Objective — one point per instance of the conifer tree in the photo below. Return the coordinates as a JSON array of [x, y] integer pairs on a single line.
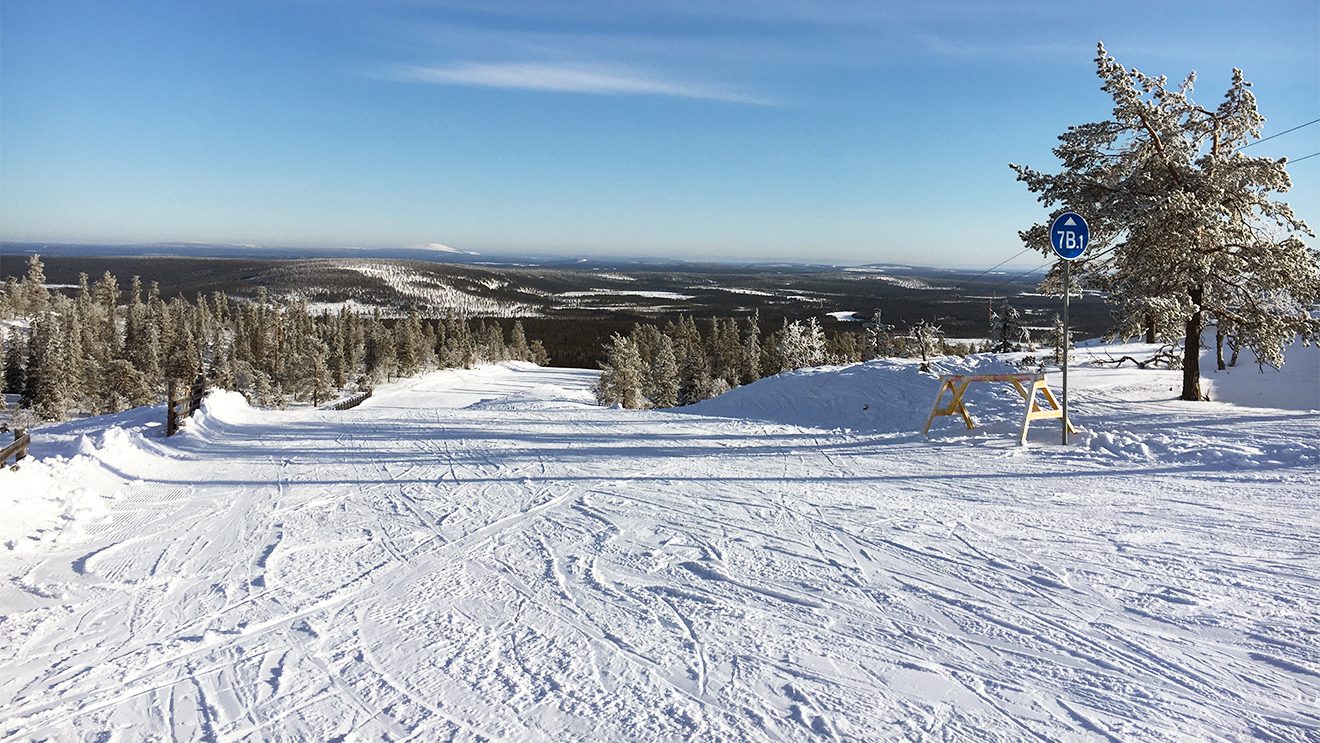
[[1007, 333], [802, 344], [928, 339], [621, 374], [121, 386], [47, 389], [408, 343], [492, 342], [1185, 227], [107, 327], [12, 302], [15, 363], [537, 353], [662, 375], [1059, 340], [35, 295], [877, 337], [518, 348], [751, 358]]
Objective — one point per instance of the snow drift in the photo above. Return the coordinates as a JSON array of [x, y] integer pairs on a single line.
[[880, 396]]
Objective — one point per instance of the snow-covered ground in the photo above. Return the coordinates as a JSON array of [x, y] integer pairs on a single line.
[[486, 554]]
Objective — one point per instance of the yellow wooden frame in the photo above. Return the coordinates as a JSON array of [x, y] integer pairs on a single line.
[[957, 385]]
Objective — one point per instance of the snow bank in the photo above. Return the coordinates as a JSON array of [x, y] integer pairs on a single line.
[[42, 503], [54, 497], [223, 407], [1296, 386], [884, 395], [75, 468]]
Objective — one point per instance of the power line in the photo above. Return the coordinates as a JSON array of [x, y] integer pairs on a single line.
[[1280, 134], [997, 265], [1024, 274], [1308, 157]]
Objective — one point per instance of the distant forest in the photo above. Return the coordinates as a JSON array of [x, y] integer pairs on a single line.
[[105, 349]]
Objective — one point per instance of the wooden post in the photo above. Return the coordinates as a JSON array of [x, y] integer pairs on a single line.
[[171, 414], [18, 450]]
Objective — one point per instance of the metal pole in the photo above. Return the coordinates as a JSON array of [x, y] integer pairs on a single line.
[[1066, 291]]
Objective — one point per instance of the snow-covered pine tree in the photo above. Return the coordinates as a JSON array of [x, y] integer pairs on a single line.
[[518, 348], [122, 386], [492, 342], [458, 342], [80, 367], [408, 343], [183, 360], [309, 374], [694, 378], [537, 353], [1185, 227], [1059, 340], [1007, 333], [647, 338], [802, 344], [35, 295], [106, 293], [722, 349], [620, 380], [15, 362], [47, 388], [751, 357], [876, 333], [263, 390], [927, 339], [662, 376]]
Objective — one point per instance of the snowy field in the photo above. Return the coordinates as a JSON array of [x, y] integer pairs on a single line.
[[486, 554]]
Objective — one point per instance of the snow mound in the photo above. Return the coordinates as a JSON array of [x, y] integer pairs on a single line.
[[223, 406], [47, 502], [880, 396], [55, 498], [1295, 386]]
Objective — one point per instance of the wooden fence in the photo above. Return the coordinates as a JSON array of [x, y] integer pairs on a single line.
[[183, 402], [350, 402], [18, 450]]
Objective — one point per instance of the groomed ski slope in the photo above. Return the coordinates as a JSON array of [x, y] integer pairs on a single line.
[[486, 554]]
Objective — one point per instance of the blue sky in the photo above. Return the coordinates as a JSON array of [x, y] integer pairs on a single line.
[[842, 132]]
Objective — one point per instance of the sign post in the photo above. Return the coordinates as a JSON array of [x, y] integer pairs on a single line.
[[1069, 236]]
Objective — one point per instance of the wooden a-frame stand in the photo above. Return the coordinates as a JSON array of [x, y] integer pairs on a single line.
[[1027, 385]]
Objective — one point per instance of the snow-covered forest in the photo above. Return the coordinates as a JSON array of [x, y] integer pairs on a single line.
[[106, 350]]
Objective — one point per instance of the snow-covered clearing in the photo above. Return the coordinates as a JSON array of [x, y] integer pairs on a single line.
[[487, 554], [437, 294], [623, 293]]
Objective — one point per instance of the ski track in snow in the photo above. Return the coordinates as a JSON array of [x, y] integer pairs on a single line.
[[483, 554]]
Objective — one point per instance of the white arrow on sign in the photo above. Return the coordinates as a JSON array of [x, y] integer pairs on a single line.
[[1070, 223]]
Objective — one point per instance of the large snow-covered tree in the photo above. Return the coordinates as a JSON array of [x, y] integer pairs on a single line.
[[1185, 226], [621, 374]]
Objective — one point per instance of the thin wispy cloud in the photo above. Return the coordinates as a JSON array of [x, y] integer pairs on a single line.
[[566, 78]]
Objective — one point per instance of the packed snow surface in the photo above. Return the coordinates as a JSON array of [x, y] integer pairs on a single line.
[[1295, 385], [487, 554]]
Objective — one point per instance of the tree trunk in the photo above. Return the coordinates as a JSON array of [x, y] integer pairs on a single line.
[[1191, 389], [1150, 329], [1219, 348], [1237, 348]]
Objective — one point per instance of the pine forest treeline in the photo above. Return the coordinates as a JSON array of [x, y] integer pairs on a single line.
[[107, 349], [685, 362]]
